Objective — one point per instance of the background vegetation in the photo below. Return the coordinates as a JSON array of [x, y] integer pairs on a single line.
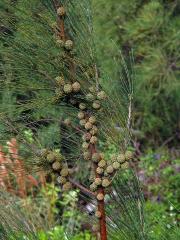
[[151, 30]]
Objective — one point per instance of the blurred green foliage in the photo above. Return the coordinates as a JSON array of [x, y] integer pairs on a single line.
[[151, 29]]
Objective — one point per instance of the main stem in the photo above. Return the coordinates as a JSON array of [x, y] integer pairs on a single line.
[[101, 204]]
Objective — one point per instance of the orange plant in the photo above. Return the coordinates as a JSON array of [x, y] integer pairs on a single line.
[[13, 176]]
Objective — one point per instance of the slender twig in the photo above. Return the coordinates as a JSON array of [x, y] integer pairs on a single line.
[[82, 188]]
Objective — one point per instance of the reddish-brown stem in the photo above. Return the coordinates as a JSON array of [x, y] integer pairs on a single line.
[[82, 188], [101, 204]]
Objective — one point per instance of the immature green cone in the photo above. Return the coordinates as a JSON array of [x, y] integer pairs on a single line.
[[82, 122], [93, 140], [85, 145], [94, 130], [60, 81], [93, 187], [60, 43], [86, 137], [102, 164], [87, 155], [92, 119], [67, 88], [99, 170], [88, 126], [110, 169], [116, 165], [128, 155], [67, 121], [64, 172], [121, 158], [90, 97]]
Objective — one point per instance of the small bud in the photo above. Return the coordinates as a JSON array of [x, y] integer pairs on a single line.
[[67, 121], [82, 106], [100, 196], [92, 89], [93, 187], [85, 145], [67, 88], [105, 182], [76, 87], [69, 45], [81, 115], [86, 137], [51, 157], [96, 105], [64, 172], [90, 97], [102, 163], [110, 169], [67, 186], [61, 11], [116, 165], [125, 165], [98, 214], [87, 155], [60, 42], [101, 95], [93, 140], [99, 170], [128, 155], [60, 80], [94, 130], [96, 157], [61, 180], [121, 158], [88, 126], [97, 181], [92, 119], [82, 122], [56, 166]]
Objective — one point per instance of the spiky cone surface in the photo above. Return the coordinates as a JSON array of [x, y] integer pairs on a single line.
[[94, 130], [76, 87], [87, 155], [86, 137], [67, 88], [67, 186], [98, 181], [93, 140], [93, 187], [85, 145], [64, 172], [81, 115], [96, 105], [110, 169], [51, 157], [82, 106], [67, 121], [61, 180], [99, 170], [100, 196], [116, 165], [82, 122], [56, 166], [121, 158], [125, 165], [106, 182], [92, 119], [60, 43], [69, 45], [90, 97], [61, 11], [128, 155], [96, 157], [101, 95], [102, 163], [59, 79], [88, 126]]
